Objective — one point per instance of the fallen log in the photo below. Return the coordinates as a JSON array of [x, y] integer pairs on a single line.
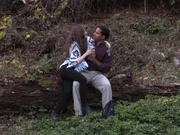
[[16, 96]]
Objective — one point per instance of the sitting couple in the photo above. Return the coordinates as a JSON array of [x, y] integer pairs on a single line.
[[87, 60]]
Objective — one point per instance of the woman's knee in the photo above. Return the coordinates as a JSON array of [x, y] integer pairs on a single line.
[[82, 80], [62, 70]]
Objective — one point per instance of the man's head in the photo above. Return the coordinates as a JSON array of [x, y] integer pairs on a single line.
[[102, 33]]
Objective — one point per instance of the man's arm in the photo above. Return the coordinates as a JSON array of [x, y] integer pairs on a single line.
[[105, 65], [92, 58]]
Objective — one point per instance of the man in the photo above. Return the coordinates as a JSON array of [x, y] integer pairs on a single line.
[[99, 63]]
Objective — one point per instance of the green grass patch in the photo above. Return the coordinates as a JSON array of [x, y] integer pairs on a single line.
[[151, 116]]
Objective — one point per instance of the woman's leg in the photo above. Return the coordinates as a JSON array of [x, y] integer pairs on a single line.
[[72, 75], [65, 97]]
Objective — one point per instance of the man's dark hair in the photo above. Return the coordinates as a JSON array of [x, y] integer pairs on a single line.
[[104, 31]]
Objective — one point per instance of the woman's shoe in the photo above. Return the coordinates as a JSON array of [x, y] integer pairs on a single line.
[[54, 115]]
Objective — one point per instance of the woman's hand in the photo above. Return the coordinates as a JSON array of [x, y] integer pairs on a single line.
[[90, 51], [87, 53]]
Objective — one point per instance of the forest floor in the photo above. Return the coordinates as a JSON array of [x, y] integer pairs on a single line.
[[143, 46]]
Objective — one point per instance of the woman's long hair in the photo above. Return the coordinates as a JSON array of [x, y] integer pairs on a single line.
[[77, 34]]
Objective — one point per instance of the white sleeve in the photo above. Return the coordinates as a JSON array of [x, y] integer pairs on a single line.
[[90, 42]]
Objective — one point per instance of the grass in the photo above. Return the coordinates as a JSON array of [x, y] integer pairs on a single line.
[[151, 116], [165, 74]]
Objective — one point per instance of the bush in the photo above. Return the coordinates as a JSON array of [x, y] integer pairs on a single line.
[[151, 116]]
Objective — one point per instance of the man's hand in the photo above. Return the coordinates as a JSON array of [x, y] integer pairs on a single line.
[[91, 57]]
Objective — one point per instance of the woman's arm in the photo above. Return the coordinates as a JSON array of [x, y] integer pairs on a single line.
[[75, 56], [88, 52]]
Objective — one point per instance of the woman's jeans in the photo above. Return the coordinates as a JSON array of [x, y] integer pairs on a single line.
[[68, 75]]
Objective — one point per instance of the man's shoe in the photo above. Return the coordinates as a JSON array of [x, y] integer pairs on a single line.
[[54, 115], [86, 110]]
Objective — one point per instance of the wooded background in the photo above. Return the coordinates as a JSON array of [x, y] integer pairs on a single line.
[[33, 32], [81, 9]]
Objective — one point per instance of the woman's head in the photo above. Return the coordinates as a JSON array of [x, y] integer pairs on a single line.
[[79, 35]]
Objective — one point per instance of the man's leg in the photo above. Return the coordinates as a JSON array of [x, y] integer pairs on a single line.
[[77, 99], [76, 94], [100, 82]]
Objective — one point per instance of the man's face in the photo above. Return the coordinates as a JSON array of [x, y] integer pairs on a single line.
[[97, 36]]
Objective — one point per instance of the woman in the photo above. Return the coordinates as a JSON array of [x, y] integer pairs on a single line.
[[71, 68]]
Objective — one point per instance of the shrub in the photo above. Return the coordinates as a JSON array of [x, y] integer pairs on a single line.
[[151, 116]]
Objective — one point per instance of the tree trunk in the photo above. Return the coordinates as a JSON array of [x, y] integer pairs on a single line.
[[18, 97], [145, 6]]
